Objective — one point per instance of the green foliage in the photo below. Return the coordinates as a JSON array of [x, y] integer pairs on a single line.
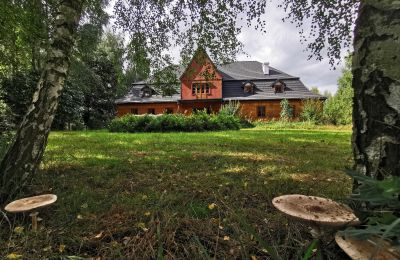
[[18, 91], [71, 106], [312, 110], [112, 46], [338, 108], [232, 108], [197, 122], [315, 90], [99, 93], [379, 209], [286, 110], [93, 82], [6, 126], [165, 80], [23, 35], [332, 25]]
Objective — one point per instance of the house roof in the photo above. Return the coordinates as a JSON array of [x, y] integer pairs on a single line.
[[135, 95], [234, 76], [249, 70], [263, 90]]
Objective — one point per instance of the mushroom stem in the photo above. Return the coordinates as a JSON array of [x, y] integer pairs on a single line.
[[316, 231], [33, 215]]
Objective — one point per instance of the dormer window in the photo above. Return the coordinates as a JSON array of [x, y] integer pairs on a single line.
[[201, 88], [248, 88], [279, 86], [147, 91]]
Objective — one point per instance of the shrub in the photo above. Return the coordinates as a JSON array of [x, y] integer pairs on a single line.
[[312, 111], [196, 122], [231, 108], [338, 109], [286, 110]]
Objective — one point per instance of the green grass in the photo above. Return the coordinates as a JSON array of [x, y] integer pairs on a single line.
[[147, 195]]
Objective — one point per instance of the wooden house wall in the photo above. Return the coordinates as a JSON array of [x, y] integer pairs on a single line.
[[123, 109], [272, 108], [248, 108], [201, 65]]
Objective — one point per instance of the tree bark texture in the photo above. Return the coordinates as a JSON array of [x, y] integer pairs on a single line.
[[25, 154], [376, 82]]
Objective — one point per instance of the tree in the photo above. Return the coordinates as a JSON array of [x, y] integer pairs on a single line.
[[376, 83], [338, 108], [315, 90], [112, 46], [100, 92], [376, 74], [6, 125], [95, 76], [25, 154], [312, 111], [18, 90]]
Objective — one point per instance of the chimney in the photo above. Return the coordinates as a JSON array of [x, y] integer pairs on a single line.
[[265, 68]]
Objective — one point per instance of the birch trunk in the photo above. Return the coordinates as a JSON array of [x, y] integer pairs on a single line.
[[376, 82], [25, 154]]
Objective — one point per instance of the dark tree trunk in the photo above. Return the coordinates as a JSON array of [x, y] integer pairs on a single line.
[[25, 154], [376, 82]]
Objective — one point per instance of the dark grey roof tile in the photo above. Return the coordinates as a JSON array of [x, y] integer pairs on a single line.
[[248, 70]]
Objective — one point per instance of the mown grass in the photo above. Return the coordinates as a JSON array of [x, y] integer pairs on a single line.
[[148, 195]]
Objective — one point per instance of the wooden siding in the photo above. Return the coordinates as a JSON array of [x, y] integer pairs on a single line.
[[123, 109], [272, 108], [248, 108], [187, 108], [201, 70]]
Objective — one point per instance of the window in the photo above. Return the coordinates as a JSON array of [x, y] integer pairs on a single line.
[[248, 88], [261, 111], [169, 110], [147, 93], [134, 111], [151, 111], [279, 86], [201, 88]]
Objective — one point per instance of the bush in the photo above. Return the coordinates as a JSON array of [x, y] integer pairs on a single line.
[[196, 122], [312, 111], [286, 110], [338, 109], [231, 108]]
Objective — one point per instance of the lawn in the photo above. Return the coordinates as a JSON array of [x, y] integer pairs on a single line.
[[178, 195]]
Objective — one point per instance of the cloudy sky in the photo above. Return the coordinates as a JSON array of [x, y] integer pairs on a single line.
[[282, 48]]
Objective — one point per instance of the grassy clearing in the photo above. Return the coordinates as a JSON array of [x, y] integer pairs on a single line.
[[178, 195]]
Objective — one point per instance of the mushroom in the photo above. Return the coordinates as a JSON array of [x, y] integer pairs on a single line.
[[365, 249], [316, 211], [30, 204]]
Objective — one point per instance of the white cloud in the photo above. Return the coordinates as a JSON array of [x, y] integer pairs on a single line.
[[282, 48]]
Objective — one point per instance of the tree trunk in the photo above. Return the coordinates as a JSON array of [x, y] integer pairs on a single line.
[[376, 82], [25, 154]]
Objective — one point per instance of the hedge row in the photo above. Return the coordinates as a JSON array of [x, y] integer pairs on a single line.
[[197, 122]]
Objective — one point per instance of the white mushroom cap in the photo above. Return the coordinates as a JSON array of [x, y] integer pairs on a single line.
[[28, 204], [315, 210], [364, 249]]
